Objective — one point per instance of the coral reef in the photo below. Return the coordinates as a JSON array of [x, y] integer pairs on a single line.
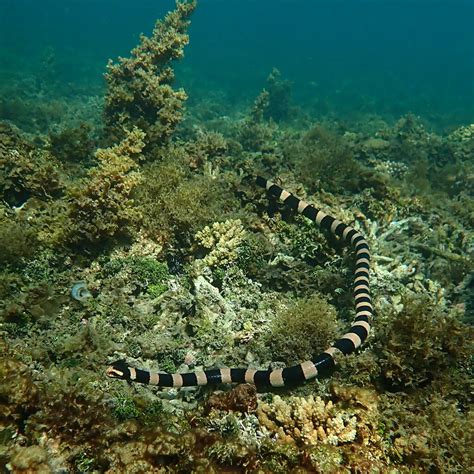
[[185, 266]]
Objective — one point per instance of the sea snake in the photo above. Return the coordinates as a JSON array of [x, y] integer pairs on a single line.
[[321, 364]]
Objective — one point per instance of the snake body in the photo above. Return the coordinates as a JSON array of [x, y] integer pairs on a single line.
[[320, 364]]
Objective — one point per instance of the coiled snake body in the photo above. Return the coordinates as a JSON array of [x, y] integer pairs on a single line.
[[321, 364]]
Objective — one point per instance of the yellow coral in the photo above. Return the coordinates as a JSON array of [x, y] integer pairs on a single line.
[[308, 420], [223, 240]]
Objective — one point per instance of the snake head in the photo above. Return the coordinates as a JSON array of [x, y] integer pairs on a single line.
[[118, 370]]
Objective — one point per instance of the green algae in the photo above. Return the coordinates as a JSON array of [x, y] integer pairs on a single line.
[[148, 273], [288, 339]]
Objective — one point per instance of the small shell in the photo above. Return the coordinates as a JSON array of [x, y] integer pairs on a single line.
[[80, 292]]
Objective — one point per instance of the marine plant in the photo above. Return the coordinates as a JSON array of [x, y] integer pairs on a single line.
[[26, 110], [421, 343], [142, 273], [18, 240], [254, 132], [139, 88], [101, 206], [177, 203], [73, 145], [207, 150], [325, 160], [288, 333], [26, 171], [273, 105], [427, 432], [279, 106]]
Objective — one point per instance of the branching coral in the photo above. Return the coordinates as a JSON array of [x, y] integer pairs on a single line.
[[139, 91], [307, 420], [328, 435], [101, 205], [222, 241]]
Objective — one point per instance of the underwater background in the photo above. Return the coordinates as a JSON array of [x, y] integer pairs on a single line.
[[129, 230], [343, 57]]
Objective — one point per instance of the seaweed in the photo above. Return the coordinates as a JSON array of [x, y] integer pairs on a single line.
[[18, 240], [139, 88], [428, 433], [421, 344], [176, 203], [101, 206], [324, 160], [73, 145], [279, 106], [145, 273], [288, 333], [26, 171]]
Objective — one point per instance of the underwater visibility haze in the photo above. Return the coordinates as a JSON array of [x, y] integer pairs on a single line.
[[236, 236]]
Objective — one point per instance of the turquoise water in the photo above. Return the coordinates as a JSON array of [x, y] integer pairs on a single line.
[[388, 57]]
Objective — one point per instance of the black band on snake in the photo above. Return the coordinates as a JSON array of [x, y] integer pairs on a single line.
[[321, 364]]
